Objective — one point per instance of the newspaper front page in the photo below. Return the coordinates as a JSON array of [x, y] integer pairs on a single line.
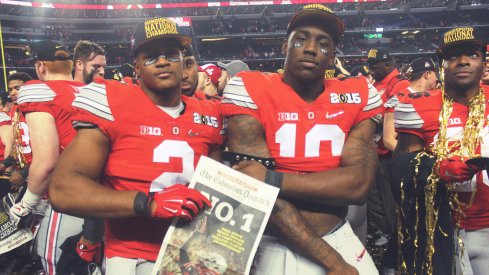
[[224, 238], [11, 236]]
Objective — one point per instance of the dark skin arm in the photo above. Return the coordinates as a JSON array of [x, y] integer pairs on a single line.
[[74, 188], [346, 185], [246, 135]]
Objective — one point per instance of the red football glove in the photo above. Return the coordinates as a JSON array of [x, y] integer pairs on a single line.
[[455, 170], [90, 253], [179, 201]]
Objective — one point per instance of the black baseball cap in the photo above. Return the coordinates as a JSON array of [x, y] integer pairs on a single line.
[[377, 55], [45, 50], [359, 69], [422, 64], [318, 15], [157, 29], [461, 36]]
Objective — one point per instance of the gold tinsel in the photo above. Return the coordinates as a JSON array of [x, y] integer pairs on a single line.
[[441, 149], [18, 147]]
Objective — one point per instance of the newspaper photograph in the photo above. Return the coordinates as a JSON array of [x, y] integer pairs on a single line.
[[224, 238], [11, 236]]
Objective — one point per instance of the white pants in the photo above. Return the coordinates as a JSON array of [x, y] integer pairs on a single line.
[[124, 266], [55, 229], [273, 258], [475, 258]]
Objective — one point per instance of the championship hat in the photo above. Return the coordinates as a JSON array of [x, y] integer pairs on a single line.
[[318, 15], [461, 36], [377, 55], [157, 29]]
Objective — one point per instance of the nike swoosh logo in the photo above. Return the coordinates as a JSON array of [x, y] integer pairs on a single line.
[[360, 257], [328, 116], [58, 46], [174, 211]]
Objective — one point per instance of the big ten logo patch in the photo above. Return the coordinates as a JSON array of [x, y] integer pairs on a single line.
[[352, 98], [150, 131], [288, 116], [206, 120]]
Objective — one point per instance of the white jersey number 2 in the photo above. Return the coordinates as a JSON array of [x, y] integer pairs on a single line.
[[173, 149]]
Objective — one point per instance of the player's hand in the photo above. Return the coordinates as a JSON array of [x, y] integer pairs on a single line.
[[16, 181], [178, 201], [90, 252], [252, 168], [454, 169], [19, 213]]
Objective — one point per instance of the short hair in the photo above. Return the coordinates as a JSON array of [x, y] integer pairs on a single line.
[[60, 66], [24, 77], [87, 50]]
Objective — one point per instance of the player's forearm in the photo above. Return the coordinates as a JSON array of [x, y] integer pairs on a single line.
[[39, 175], [291, 228], [78, 195], [346, 185]]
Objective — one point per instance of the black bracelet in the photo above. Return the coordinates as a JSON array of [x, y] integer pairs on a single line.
[[9, 161], [141, 204], [234, 158], [274, 178], [93, 229], [24, 172]]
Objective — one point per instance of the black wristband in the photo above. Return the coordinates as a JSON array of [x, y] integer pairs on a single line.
[[24, 172], [234, 158], [9, 161], [93, 229], [141, 204], [274, 178]]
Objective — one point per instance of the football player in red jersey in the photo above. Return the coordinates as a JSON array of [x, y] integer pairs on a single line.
[[21, 142], [319, 133], [451, 124], [47, 107], [423, 78], [141, 139], [190, 72], [89, 61]]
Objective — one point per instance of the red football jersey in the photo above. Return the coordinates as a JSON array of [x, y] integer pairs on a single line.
[[301, 136], [391, 85], [4, 120], [22, 142], [418, 114], [53, 97], [150, 150]]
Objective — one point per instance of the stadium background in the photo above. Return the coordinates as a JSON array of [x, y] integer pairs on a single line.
[[251, 31]]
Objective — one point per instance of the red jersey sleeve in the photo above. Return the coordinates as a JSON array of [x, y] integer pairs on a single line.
[[407, 119], [36, 96], [91, 108], [236, 99], [5, 119], [373, 107]]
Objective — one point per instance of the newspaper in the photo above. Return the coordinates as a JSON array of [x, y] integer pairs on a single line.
[[224, 238], [11, 236]]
